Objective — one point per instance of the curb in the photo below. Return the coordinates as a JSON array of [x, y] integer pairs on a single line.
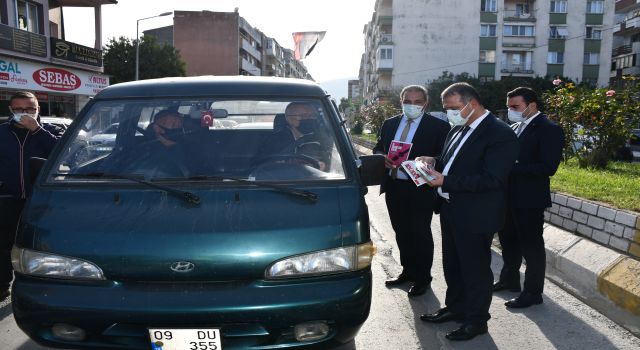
[[602, 278]]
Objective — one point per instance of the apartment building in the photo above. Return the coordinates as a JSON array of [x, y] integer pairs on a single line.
[[413, 42], [224, 43], [35, 56], [626, 39]]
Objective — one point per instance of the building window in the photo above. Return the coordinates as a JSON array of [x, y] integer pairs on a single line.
[[386, 54], [595, 6], [28, 16], [554, 57], [510, 30], [489, 5], [558, 6], [591, 58], [487, 30], [487, 56], [522, 9], [558, 32], [594, 33]]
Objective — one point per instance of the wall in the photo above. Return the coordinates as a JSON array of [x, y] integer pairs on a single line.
[[208, 42]]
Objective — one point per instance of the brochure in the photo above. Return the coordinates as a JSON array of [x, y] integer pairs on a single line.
[[399, 152], [416, 171]]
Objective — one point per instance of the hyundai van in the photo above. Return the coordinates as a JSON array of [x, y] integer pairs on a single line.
[[209, 242]]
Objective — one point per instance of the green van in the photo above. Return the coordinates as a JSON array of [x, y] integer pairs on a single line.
[[180, 231]]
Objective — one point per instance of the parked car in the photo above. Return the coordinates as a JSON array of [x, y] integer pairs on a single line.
[[62, 123], [205, 245]]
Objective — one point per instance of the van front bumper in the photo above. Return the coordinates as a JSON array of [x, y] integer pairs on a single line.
[[250, 315]]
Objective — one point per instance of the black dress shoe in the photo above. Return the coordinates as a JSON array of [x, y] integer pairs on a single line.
[[442, 315], [467, 331], [4, 294], [402, 278], [524, 300], [500, 285], [418, 288]]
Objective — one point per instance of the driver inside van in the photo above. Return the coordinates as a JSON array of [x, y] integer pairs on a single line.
[[298, 137]]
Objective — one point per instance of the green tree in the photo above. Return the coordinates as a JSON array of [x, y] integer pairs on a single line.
[[156, 61]]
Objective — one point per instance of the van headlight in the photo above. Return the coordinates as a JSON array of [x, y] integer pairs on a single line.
[[31, 262], [343, 259]]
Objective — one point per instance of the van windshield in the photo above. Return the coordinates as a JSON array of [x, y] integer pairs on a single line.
[[200, 139]]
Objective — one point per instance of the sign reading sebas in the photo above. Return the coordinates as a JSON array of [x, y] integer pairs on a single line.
[[56, 79]]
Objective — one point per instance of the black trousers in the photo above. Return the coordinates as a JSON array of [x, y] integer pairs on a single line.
[[466, 261], [410, 210], [520, 238], [10, 210]]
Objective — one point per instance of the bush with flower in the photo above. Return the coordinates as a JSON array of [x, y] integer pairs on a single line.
[[596, 122]]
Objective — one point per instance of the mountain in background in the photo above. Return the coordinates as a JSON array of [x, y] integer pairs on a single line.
[[337, 88]]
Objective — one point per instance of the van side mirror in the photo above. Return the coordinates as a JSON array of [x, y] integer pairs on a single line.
[[35, 165], [372, 170]]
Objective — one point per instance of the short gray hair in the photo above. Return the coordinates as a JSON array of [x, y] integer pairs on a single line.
[[414, 88]]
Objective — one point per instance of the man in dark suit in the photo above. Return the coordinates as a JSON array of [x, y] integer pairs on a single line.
[[541, 142], [410, 207], [471, 180]]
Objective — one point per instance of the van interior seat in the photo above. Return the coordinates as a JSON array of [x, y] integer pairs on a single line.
[[279, 122]]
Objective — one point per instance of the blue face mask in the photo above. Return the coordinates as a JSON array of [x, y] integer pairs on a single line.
[[411, 111]]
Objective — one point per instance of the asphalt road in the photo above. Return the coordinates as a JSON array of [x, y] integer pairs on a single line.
[[561, 322]]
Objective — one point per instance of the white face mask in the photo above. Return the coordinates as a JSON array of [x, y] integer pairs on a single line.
[[411, 111], [515, 116], [455, 116], [18, 116]]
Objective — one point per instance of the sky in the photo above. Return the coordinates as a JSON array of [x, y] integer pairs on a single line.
[[334, 60]]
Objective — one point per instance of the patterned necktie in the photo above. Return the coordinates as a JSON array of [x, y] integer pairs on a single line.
[[455, 145], [403, 137], [520, 128]]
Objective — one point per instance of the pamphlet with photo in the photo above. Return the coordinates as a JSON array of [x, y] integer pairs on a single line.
[[399, 152], [416, 171]]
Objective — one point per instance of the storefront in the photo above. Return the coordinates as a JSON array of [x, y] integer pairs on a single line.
[[61, 91]]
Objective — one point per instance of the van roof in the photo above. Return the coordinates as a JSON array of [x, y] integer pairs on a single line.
[[213, 85]]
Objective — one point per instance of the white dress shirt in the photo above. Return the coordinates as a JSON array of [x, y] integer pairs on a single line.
[[472, 128]]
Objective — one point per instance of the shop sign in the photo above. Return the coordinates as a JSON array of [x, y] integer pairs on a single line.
[[65, 50], [21, 74], [56, 79]]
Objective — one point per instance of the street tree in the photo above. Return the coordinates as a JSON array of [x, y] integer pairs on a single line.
[[156, 60]]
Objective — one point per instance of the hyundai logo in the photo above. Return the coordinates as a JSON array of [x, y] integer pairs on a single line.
[[182, 266]]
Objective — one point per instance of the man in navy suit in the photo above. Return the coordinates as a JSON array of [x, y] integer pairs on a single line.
[[471, 180], [541, 142], [410, 207]]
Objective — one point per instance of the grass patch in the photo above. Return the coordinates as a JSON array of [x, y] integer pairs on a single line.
[[367, 137], [618, 184]]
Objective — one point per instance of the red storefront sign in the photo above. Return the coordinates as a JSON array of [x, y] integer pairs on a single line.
[[56, 79]]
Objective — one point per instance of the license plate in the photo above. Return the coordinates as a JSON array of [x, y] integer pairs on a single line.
[[185, 339]]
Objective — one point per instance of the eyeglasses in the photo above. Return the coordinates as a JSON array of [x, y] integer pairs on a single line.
[[29, 110]]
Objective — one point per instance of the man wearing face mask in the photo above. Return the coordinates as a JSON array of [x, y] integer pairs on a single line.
[[410, 207], [541, 142], [299, 136], [21, 138], [471, 180]]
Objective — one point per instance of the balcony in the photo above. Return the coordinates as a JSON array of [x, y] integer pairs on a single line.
[[518, 16], [621, 50], [250, 68], [250, 49], [629, 26], [383, 65], [517, 68]]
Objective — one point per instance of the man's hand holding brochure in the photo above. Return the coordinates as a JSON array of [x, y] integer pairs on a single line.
[[418, 170]]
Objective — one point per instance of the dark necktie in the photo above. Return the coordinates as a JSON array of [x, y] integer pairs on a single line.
[[520, 128], [455, 145], [403, 137]]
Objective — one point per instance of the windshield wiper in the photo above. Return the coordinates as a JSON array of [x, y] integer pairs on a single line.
[[185, 195], [313, 197]]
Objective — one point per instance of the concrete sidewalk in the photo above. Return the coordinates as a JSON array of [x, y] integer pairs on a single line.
[[602, 278]]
